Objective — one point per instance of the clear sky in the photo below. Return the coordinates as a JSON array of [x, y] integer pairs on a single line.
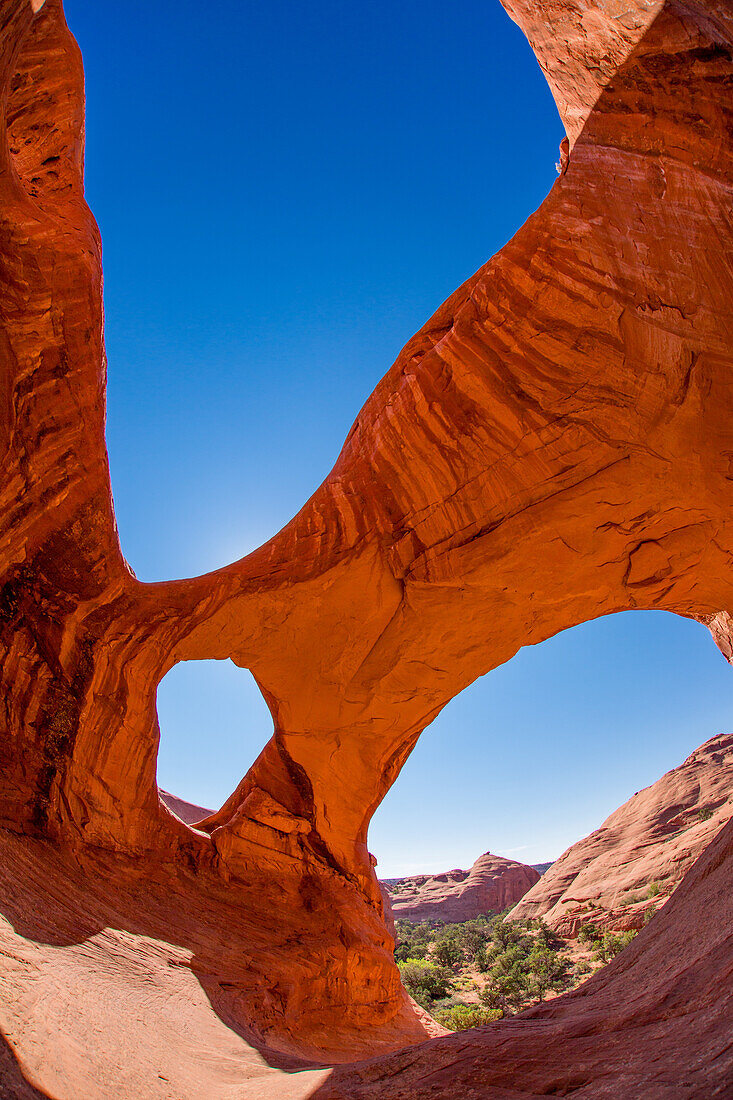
[[286, 192]]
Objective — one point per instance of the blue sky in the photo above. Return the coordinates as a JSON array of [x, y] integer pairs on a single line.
[[286, 192]]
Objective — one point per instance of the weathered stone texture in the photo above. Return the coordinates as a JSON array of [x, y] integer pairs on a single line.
[[554, 445], [625, 870]]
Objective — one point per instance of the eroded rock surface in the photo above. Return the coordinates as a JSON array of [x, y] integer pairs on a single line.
[[187, 811], [492, 885], [629, 866], [654, 1023], [554, 445]]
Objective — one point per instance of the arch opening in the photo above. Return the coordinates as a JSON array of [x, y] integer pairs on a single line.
[[203, 435], [570, 745], [214, 723], [604, 708]]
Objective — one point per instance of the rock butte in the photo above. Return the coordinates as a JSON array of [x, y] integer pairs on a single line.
[[651, 841], [492, 884], [555, 444]]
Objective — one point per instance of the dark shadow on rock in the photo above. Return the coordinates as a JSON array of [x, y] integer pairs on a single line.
[[13, 1085], [51, 898]]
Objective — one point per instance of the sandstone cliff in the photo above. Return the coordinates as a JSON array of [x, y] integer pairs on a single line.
[[491, 885], [629, 866]]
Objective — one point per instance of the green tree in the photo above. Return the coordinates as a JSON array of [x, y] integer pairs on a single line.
[[545, 970], [504, 990], [447, 952], [473, 936], [482, 961], [504, 933], [424, 981]]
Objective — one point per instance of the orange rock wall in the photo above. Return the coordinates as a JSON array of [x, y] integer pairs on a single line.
[[552, 446]]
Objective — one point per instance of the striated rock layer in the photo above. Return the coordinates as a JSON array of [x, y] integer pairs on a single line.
[[187, 811], [492, 885], [554, 444], [628, 867]]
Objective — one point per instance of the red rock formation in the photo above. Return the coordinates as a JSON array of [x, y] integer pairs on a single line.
[[187, 811], [656, 1022], [492, 885], [552, 446], [650, 842]]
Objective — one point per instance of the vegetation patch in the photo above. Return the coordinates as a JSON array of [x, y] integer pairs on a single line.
[[473, 973]]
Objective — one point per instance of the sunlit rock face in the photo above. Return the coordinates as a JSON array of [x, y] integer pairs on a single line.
[[490, 886], [188, 812], [553, 445], [581, 45], [619, 876]]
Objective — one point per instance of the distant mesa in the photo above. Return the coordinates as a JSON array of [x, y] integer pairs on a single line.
[[188, 812], [626, 870], [492, 884]]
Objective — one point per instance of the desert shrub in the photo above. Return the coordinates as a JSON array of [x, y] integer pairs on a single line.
[[447, 951], [424, 981], [523, 968], [611, 943], [507, 933], [443, 1003], [473, 937], [653, 890], [704, 813], [545, 936], [505, 991], [405, 951], [588, 933], [462, 1016], [482, 960], [413, 940], [519, 959]]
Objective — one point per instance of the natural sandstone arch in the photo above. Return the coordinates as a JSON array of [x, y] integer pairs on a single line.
[[553, 445]]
